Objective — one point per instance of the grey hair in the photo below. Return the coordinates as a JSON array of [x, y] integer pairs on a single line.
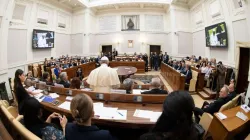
[[156, 82], [128, 83], [63, 75]]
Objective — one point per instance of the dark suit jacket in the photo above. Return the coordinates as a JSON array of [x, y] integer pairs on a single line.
[[188, 76], [155, 91], [232, 95], [216, 105], [65, 84], [77, 132]]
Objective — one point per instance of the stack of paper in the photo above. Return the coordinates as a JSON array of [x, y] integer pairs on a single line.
[[65, 105], [109, 113], [138, 91], [69, 98], [54, 95], [87, 89], [31, 88], [39, 97], [37, 91], [153, 116]]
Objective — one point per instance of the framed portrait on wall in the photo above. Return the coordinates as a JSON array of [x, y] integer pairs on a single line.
[[130, 43]]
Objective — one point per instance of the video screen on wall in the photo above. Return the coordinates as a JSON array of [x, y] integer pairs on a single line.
[[216, 35], [42, 39]]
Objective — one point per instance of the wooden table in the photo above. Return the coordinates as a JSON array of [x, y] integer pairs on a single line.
[[140, 65], [175, 79], [125, 70], [131, 122], [228, 128]]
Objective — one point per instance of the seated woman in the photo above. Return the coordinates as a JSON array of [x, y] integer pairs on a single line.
[[21, 94], [81, 108], [75, 83], [175, 122], [33, 122], [128, 85], [203, 67], [79, 73], [46, 79]]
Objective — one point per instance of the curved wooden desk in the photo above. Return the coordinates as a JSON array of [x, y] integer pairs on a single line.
[[131, 122], [129, 102], [175, 79]]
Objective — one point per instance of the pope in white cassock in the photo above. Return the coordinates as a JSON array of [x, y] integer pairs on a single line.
[[42, 42], [103, 78]]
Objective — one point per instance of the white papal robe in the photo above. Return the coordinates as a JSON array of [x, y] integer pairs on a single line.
[[103, 78]]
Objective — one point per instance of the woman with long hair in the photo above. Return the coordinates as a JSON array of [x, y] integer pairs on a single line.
[[20, 93], [44, 129], [175, 122]]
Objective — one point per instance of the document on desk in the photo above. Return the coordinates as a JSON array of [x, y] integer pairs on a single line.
[[54, 95], [138, 91], [105, 112], [39, 97], [65, 105], [155, 116], [143, 113], [38, 91]]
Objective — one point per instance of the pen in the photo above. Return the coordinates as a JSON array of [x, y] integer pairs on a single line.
[[120, 113]]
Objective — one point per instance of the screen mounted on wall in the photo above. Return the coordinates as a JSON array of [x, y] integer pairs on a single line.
[[216, 35], [42, 39]]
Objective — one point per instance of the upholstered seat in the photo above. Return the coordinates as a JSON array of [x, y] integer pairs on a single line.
[[205, 122]]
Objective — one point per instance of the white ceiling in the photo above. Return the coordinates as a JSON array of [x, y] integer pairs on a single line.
[[73, 4]]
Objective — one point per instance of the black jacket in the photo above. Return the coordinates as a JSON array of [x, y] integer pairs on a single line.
[[216, 105], [77, 132], [188, 76], [155, 91], [65, 84]]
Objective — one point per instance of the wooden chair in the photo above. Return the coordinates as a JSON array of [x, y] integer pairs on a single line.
[[4, 103], [235, 101], [22, 133], [6, 118], [13, 111], [226, 106], [35, 70], [205, 122], [193, 81]]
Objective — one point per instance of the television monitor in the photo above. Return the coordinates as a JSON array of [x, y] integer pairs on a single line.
[[216, 35], [42, 39]]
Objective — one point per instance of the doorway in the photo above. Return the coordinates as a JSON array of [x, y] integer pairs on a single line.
[[242, 81], [106, 49], [155, 48]]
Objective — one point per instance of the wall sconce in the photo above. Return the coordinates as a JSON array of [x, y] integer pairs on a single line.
[[118, 43], [240, 3], [142, 43]]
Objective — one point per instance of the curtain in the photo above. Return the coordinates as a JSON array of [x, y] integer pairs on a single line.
[[134, 18]]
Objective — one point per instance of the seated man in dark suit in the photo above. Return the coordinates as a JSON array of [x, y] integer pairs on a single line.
[[64, 80], [214, 106], [188, 74], [82, 111], [232, 94], [155, 87]]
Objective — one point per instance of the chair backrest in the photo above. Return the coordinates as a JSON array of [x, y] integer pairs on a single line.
[[22, 132], [194, 74], [226, 106], [13, 111], [235, 101], [205, 122], [4, 103]]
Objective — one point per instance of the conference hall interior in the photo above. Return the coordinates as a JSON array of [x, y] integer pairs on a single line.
[[124, 69]]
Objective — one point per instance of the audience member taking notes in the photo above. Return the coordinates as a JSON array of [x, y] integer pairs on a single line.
[[82, 111], [43, 129]]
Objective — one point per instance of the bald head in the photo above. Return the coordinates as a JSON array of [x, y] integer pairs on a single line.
[[156, 82], [231, 87]]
